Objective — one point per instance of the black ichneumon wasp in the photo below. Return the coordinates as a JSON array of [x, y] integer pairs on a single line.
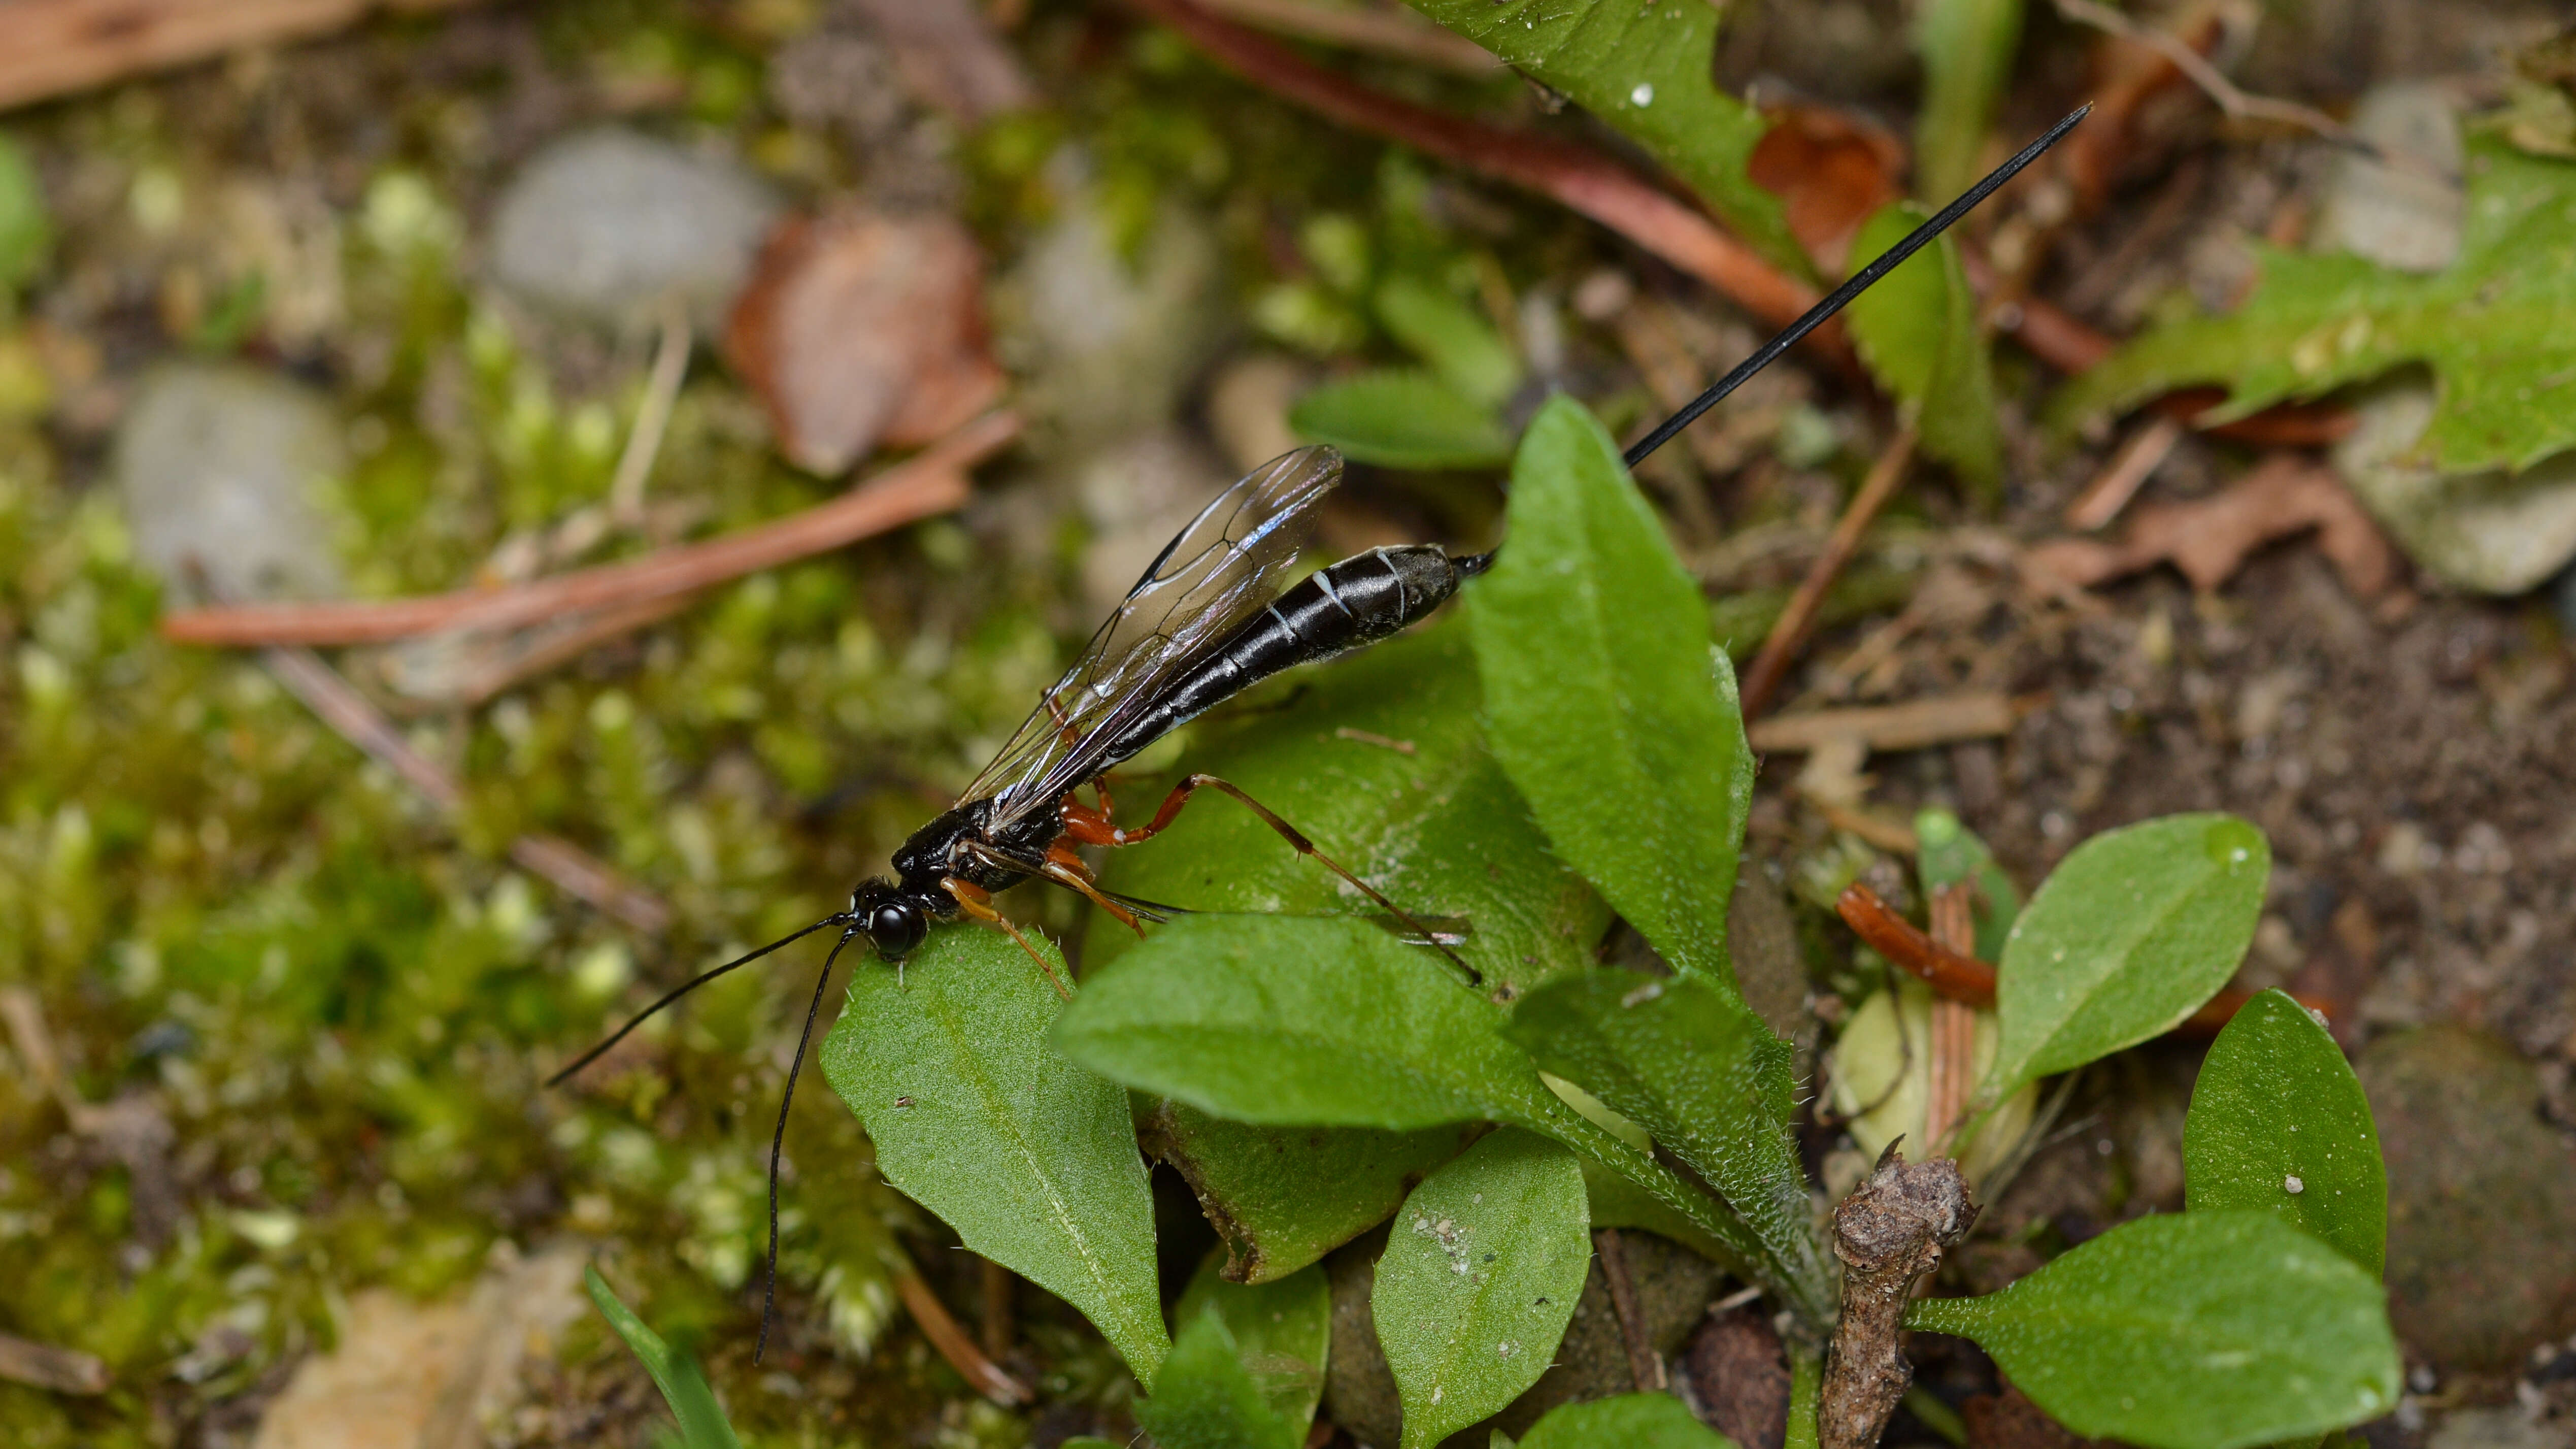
[[1202, 625]]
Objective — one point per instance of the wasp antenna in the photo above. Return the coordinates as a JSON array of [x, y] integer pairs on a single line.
[[778, 1139], [586, 1058], [1860, 282]]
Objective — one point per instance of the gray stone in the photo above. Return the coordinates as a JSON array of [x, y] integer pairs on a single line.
[[217, 466], [2407, 215], [2481, 1197], [1108, 343], [2493, 532], [2499, 1429], [608, 225]]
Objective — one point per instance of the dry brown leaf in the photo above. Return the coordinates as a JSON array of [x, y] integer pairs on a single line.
[[2210, 538], [1831, 170], [860, 329], [949, 57]]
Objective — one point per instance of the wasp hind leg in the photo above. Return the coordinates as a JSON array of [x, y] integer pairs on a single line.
[[977, 903], [1180, 796]]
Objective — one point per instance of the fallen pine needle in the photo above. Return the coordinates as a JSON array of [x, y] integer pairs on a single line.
[[1941, 720], [930, 482], [2136, 462], [571, 869], [1798, 620], [954, 1344]]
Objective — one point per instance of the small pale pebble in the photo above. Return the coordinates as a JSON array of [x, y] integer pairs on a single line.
[[2293, 1186]]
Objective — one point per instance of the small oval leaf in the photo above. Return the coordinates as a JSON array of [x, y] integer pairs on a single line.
[[2278, 1121], [1480, 1276], [1402, 418], [977, 1117], [1603, 698], [1282, 1332], [2198, 1330], [1206, 1397], [1626, 1421], [2130, 934]]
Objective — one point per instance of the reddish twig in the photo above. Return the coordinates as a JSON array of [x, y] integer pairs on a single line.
[[930, 482], [954, 1343], [53, 47], [573, 870], [1954, 1023], [1789, 634], [1399, 33], [1580, 178], [1955, 976]]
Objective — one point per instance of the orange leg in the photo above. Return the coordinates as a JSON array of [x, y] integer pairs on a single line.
[[1066, 869], [977, 903], [1171, 807]]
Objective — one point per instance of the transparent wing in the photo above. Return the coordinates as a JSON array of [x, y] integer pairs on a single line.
[[1214, 574]]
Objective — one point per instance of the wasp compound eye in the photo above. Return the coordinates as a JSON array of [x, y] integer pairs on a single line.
[[897, 927]]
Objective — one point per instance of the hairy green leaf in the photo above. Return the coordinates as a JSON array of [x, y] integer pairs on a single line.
[[2498, 328], [684, 1387], [1283, 1197], [1917, 329], [977, 1117], [1625, 1421], [1948, 853], [2129, 935], [1967, 48], [2198, 1330], [1381, 760], [1692, 1065], [1455, 339], [2278, 1122], [1603, 698], [1282, 1332], [1479, 1278], [1402, 418], [1297, 1021], [1206, 1398], [1644, 69]]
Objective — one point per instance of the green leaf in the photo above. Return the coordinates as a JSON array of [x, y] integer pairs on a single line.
[[2129, 935], [26, 228], [1382, 762], [1282, 1334], [2276, 1105], [1947, 853], [1479, 1278], [2498, 328], [1207, 1399], [2198, 1330], [1917, 330], [1967, 48], [1644, 69], [702, 1420], [976, 1117], [1283, 1197], [1402, 418], [1297, 1021], [1458, 343], [1692, 1065], [1604, 700], [1626, 1421]]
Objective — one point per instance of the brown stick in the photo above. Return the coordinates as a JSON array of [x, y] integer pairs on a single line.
[[1916, 724], [997, 1308], [1889, 1233], [1576, 176], [55, 47], [1789, 634], [1645, 1367], [573, 870], [930, 482], [954, 1344]]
